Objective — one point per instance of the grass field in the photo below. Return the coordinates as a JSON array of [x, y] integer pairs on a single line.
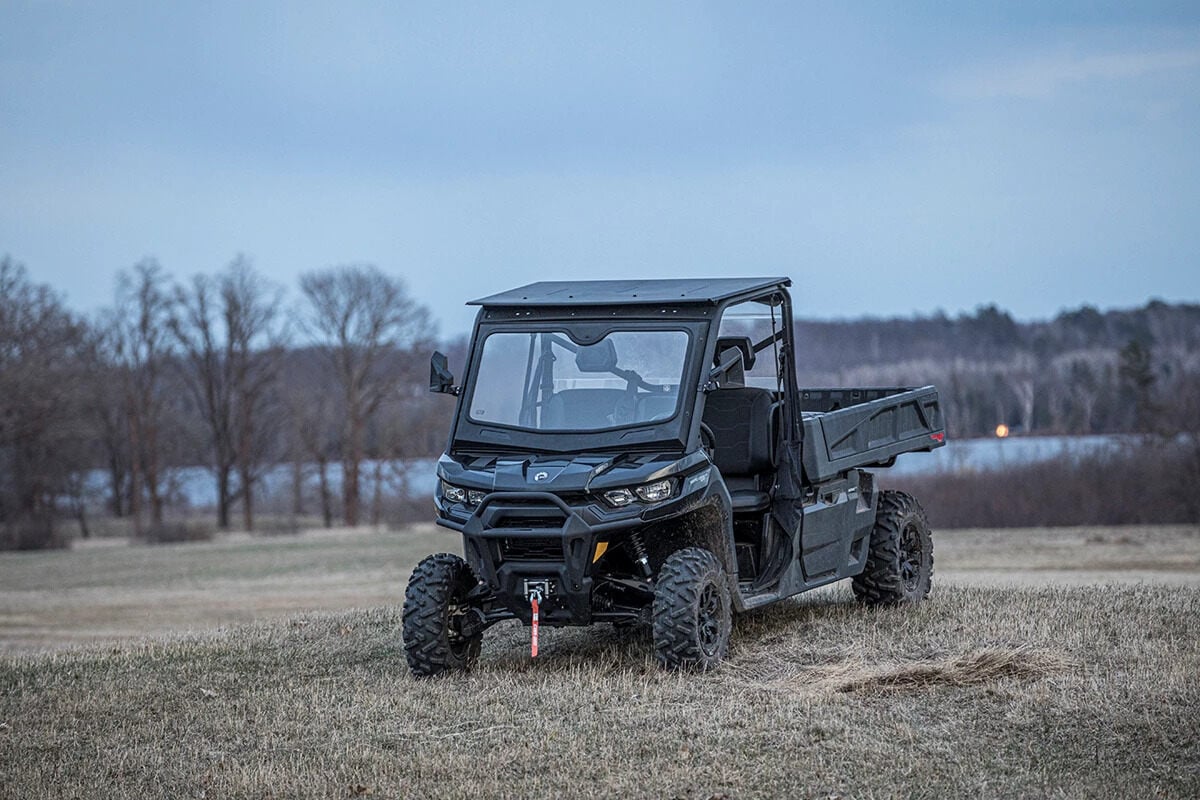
[[107, 590], [1013, 680]]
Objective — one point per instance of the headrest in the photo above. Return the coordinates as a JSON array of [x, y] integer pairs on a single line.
[[598, 357]]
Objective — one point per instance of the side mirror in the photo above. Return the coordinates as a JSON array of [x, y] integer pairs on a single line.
[[441, 379], [730, 368]]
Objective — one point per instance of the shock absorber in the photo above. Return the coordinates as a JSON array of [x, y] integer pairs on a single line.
[[639, 553]]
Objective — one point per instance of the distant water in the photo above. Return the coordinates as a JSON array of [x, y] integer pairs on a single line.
[[977, 455], [195, 487]]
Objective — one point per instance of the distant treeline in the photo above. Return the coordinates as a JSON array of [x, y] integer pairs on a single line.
[[230, 372], [1083, 372]]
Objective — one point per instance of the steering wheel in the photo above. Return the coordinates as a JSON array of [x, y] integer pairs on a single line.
[[708, 442]]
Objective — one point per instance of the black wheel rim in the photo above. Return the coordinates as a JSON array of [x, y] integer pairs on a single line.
[[455, 611], [709, 619], [911, 556]]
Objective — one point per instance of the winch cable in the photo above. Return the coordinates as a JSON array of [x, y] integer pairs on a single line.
[[534, 597]]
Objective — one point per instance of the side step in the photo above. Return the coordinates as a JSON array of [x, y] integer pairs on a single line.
[[750, 599]]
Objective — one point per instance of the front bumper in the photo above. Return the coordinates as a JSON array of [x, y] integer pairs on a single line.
[[519, 540], [513, 543]]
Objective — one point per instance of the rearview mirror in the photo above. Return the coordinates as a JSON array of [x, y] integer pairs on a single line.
[[441, 379], [598, 357]]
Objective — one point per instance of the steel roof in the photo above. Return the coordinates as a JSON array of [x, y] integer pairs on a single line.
[[614, 293]]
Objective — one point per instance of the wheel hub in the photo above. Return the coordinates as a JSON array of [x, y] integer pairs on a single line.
[[709, 617], [911, 556]]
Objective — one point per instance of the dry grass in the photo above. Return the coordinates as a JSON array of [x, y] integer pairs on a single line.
[[971, 669], [1080, 555], [989, 692], [983, 691], [106, 590]]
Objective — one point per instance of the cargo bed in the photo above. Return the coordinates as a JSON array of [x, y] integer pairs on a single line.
[[848, 428]]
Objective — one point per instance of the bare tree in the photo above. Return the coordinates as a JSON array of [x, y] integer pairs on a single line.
[[106, 405], [360, 316], [229, 332], [43, 424], [255, 340], [206, 373], [138, 335], [1020, 376], [314, 424]]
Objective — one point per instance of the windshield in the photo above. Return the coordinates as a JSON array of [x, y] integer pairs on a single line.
[[543, 381], [762, 323]]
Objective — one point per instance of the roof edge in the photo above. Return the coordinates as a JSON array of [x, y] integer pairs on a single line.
[[630, 292]]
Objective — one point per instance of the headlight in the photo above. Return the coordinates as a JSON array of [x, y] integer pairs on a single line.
[[619, 497], [648, 493], [456, 494], [653, 492]]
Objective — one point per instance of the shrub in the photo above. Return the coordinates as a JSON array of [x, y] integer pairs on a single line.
[[1151, 483], [31, 532], [177, 532]]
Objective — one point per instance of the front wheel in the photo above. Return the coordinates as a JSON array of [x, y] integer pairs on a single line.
[[900, 558], [435, 607], [693, 612]]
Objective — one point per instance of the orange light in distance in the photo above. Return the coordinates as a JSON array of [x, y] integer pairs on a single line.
[[1001, 431]]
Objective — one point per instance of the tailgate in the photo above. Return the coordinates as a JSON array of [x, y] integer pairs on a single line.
[[872, 433]]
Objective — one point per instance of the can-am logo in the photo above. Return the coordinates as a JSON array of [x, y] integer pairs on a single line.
[[541, 476]]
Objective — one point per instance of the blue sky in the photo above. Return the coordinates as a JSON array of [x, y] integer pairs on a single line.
[[891, 158]]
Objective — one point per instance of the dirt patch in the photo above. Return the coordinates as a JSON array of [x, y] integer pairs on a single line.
[[972, 669]]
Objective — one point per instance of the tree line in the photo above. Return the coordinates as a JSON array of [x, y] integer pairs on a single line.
[[1083, 372], [230, 372], [221, 370]]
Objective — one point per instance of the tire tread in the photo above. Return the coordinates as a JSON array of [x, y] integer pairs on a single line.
[[880, 582], [430, 590], [678, 589]]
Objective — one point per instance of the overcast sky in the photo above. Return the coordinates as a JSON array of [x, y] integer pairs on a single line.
[[1035, 155]]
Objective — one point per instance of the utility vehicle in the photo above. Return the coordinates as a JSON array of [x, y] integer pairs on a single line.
[[639, 453]]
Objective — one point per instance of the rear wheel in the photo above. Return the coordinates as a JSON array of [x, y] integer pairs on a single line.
[[900, 559], [693, 612], [435, 608]]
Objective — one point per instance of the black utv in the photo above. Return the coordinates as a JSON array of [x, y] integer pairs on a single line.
[[639, 453]]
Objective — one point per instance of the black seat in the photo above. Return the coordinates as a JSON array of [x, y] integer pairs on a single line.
[[581, 408], [651, 407], [740, 419]]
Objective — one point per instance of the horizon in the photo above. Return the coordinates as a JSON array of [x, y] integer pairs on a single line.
[[292, 299]]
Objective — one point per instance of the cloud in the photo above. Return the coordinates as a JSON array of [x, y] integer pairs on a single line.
[[1046, 76]]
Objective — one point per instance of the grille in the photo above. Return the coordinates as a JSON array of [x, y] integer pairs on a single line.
[[521, 521], [532, 548]]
